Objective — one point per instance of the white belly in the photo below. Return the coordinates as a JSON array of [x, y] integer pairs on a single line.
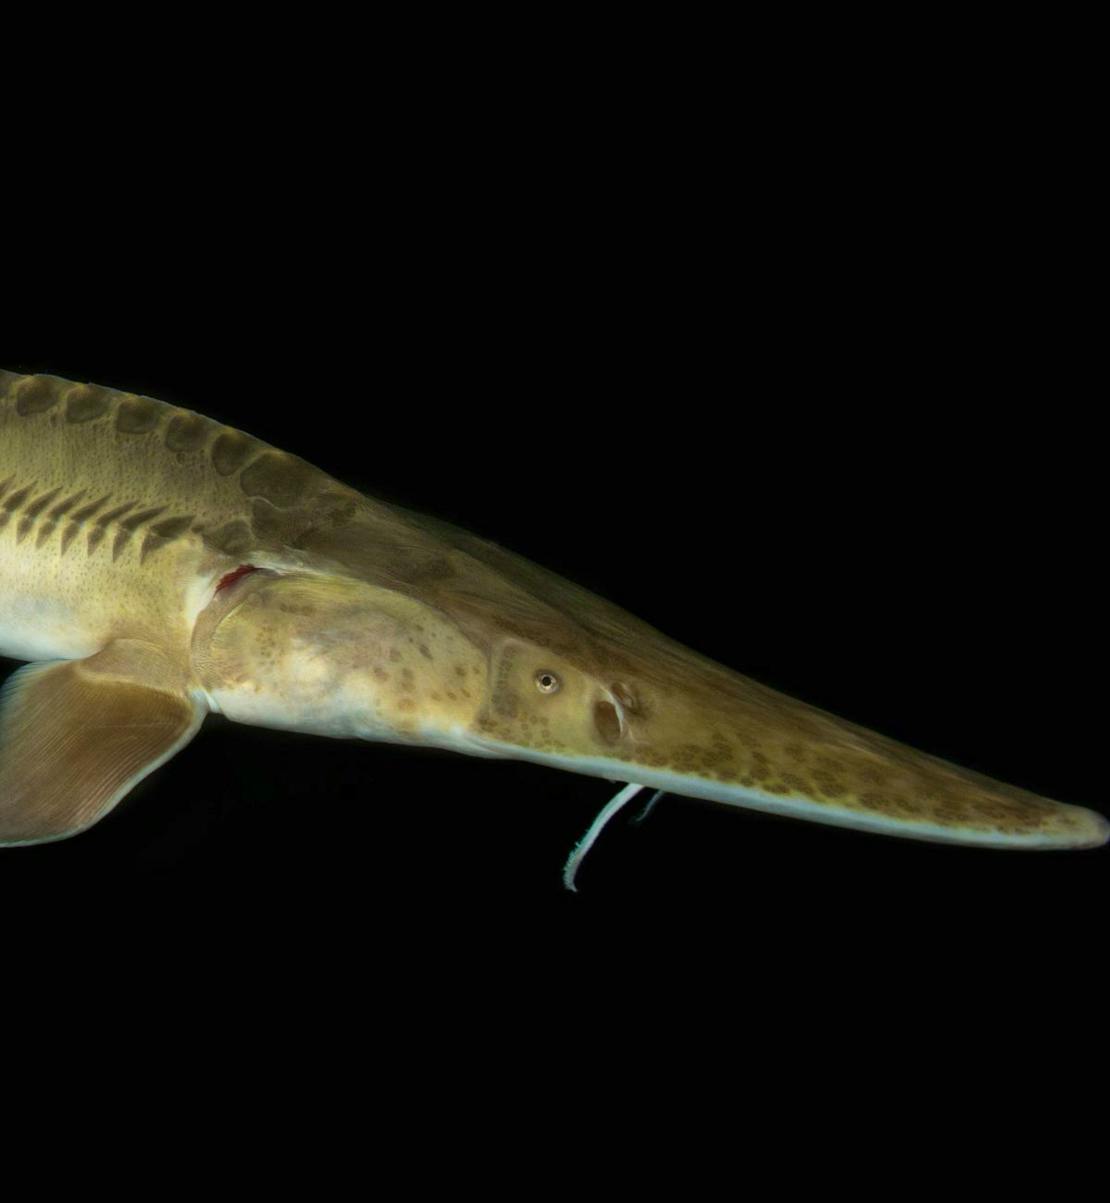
[[47, 637], [38, 627]]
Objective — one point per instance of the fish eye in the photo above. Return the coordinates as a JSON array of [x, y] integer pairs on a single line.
[[547, 682]]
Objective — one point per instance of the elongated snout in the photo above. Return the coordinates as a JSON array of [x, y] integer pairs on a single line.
[[696, 729]]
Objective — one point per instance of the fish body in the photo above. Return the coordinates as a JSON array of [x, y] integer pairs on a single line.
[[157, 566]]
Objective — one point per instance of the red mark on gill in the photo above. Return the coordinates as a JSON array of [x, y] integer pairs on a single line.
[[232, 577]]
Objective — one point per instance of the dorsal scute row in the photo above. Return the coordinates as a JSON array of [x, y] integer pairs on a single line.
[[270, 483]]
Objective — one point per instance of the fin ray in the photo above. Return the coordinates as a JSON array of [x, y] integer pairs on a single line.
[[75, 739]]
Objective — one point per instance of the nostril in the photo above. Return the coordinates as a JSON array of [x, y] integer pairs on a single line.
[[624, 696], [607, 721]]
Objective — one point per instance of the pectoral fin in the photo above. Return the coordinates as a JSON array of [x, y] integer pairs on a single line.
[[77, 736]]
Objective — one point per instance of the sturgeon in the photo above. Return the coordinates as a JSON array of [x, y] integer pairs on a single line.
[[157, 566]]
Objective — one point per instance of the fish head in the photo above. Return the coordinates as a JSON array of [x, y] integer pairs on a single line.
[[437, 637]]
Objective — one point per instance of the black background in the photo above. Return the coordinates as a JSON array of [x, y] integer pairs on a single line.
[[809, 394]]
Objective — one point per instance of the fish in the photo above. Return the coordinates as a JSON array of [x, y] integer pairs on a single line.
[[157, 566]]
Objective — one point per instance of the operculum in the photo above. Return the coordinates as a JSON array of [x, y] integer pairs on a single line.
[[335, 656]]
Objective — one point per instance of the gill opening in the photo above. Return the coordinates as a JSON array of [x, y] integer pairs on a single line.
[[236, 573]]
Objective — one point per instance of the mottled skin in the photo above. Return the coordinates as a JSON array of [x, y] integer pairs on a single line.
[[119, 517]]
